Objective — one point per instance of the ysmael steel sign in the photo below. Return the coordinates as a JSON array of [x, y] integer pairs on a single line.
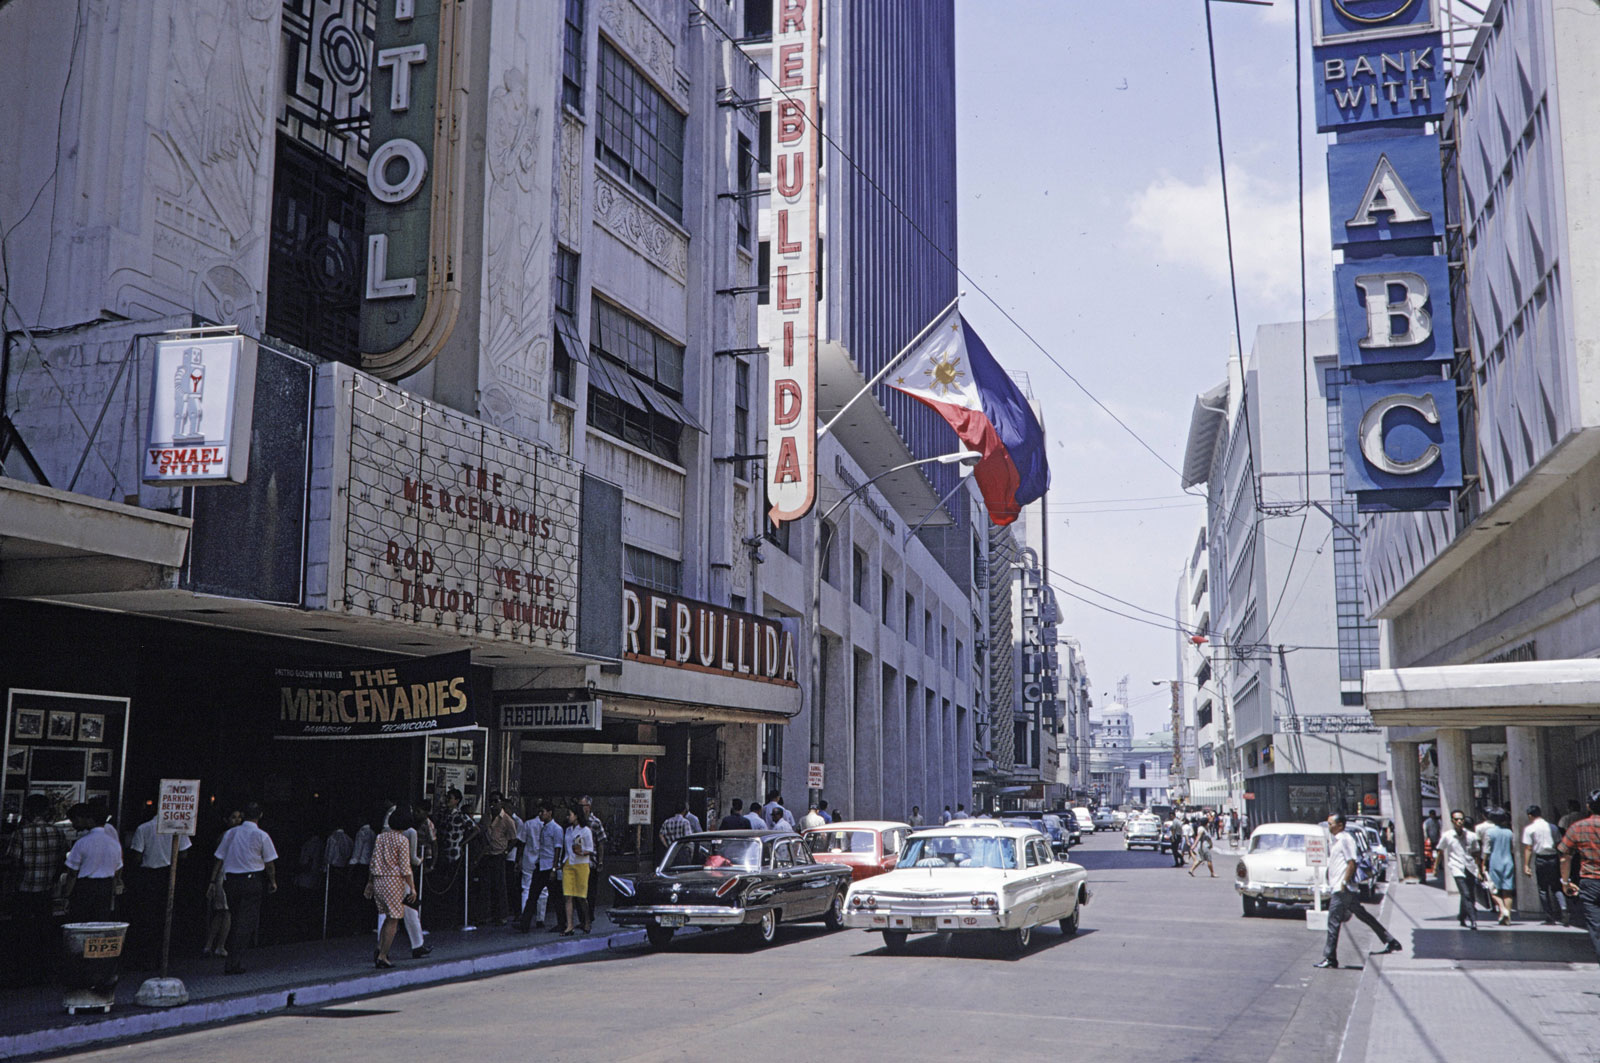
[[792, 283], [202, 397]]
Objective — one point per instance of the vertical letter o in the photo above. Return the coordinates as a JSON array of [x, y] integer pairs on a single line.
[[382, 189]]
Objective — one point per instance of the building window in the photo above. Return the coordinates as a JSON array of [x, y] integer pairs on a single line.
[[653, 432], [646, 353], [858, 576], [1143, 765], [771, 758], [736, 602], [566, 288], [944, 645], [1202, 716], [764, 142], [640, 134], [316, 266], [741, 416], [961, 651], [747, 184], [927, 633], [830, 542], [1358, 637], [653, 570], [758, 20], [781, 535], [763, 270], [886, 598], [911, 617], [572, 57]]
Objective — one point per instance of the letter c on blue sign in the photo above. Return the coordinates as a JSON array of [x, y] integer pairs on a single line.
[[1372, 434]]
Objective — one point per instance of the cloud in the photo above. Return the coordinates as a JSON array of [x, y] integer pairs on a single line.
[[1183, 224]]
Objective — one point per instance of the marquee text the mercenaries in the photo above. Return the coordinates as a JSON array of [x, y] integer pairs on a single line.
[[377, 696]]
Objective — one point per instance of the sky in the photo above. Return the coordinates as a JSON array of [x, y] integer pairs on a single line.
[[1091, 211]]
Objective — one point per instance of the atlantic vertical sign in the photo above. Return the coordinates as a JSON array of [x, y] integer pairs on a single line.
[[1380, 81], [792, 283], [413, 217]]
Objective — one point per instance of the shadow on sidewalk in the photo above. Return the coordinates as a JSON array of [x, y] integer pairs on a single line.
[[1496, 945]]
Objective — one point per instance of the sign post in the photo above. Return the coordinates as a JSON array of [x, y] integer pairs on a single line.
[[177, 815], [1317, 861]]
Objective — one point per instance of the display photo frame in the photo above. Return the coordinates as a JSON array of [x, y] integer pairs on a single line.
[[102, 796], [452, 749], [464, 746], [63, 726], [99, 762], [91, 727], [435, 747], [17, 760], [28, 724]]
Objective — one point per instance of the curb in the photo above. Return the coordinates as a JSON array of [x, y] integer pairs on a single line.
[[1360, 1020], [144, 1023]]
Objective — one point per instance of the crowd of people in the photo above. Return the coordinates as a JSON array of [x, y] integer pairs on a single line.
[[1477, 853]]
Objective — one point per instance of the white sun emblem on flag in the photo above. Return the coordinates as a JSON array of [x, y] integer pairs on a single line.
[[945, 374]]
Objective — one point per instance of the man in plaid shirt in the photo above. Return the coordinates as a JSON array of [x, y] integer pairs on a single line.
[[456, 830], [676, 826], [1583, 839], [39, 848]]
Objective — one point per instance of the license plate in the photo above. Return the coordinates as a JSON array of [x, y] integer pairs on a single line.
[[672, 920], [922, 922]]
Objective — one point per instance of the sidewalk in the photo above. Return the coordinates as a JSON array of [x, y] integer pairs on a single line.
[[307, 974], [1524, 992]]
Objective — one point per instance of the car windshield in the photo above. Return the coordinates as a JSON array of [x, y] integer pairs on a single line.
[[841, 841], [947, 851], [696, 854], [1263, 843]]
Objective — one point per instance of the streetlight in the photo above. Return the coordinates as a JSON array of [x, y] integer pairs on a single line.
[[966, 459]]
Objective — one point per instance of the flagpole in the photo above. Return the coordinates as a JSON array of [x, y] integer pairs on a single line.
[[890, 364], [929, 516]]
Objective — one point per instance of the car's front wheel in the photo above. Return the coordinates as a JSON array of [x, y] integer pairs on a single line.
[[895, 941], [765, 930], [658, 936], [834, 920]]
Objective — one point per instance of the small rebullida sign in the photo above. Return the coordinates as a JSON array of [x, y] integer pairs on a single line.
[[201, 399], [792, 283], [414, 215], [396, 699]]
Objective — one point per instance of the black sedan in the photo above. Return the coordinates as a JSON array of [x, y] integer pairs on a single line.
[[754, 879]]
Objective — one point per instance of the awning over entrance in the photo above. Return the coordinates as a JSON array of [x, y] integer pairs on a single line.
[[54, 541], [1520, 693], [1206, 791]]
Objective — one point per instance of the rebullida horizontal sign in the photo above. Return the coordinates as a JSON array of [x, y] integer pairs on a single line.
[[665, 629]]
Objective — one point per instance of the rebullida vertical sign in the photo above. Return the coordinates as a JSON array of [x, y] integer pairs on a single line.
[[792, 343], [414, 215]]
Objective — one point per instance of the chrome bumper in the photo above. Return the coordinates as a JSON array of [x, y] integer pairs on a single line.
[[689, 914], [923, 922], [1286, 894]]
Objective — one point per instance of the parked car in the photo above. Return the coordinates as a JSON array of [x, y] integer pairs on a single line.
[[1104, 819], [754, 879], [1273, 868], [960, 879], [1047, 823], [1084, 818], [866, 847], [1380, 855], [1144, 832], [1069, 823], [1120, 818]]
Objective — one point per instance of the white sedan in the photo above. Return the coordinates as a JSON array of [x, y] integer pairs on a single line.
[[971, 876], [1273, 868]]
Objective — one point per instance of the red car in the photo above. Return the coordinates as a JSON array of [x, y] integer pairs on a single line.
[[867, 847]]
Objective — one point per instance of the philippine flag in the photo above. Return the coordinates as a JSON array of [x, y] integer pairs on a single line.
[[954, 373]]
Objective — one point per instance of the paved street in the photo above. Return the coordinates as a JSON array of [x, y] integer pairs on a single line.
[[1164, 969]]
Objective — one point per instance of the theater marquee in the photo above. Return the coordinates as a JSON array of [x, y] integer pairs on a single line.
[[665, 629]]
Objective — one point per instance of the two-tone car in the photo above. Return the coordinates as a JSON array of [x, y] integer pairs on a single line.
[[866, 847], [971, 877], [754, 879]]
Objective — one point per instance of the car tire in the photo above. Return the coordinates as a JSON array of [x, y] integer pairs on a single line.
[[834, 920], [1069, 925], [1251, 906], [1015, 942], [658, 936], [895, 941], [765, 930]]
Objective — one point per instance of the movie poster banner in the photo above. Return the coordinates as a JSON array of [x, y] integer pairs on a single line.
[[398, 699]]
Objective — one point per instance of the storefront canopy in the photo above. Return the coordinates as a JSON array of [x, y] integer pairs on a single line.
[[1521, 693]]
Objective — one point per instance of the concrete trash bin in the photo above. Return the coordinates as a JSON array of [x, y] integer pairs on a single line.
[[91, 963]]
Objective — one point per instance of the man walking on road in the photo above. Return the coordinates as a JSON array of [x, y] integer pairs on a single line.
[[1583, 840], [1458, 848], [1539, 857], [1346, 899]]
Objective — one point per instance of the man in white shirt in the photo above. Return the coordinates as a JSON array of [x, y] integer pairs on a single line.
[[1539, 857], [1345, 897], [757, 816], [812, 818], [246, 869], [94, 866], [1458, 850], [542, 840], [151, 871]]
